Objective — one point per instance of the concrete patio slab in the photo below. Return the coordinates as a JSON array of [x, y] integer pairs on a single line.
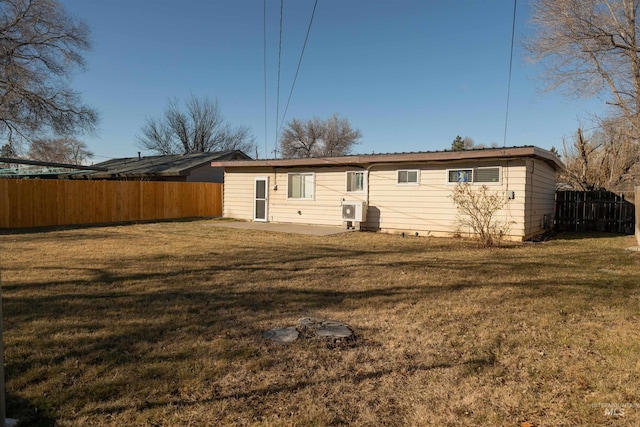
[[308, 229]]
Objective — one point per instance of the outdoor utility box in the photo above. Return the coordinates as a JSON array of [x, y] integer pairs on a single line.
[[354, 213]]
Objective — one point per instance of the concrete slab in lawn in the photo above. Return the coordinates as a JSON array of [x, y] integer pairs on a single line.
[[311, 230], [282, 335], [325, 328], [310, 327]]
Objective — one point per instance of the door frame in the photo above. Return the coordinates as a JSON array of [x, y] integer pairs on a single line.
[[266, 198]]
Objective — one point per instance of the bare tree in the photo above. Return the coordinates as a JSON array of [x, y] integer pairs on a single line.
[[7, 150], [198, 127], [300, 139], [339, 137], [579, 171], [608, 159], [60, 150], [318, 138], [591, 47], [40, 48]]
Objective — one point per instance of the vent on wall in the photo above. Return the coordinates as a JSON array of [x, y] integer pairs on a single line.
[[354, 211]]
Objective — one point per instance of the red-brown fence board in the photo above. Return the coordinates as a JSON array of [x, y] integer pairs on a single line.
[[36, 203]]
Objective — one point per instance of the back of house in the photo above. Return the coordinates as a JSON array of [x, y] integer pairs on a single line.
[[405, 192]]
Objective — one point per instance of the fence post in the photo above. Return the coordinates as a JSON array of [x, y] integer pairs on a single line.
[[4, 421], [620, 205]]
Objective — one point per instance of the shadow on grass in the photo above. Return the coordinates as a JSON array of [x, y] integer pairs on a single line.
[[270, 283], [73, 227], [119, 329], [272, 389], [354, 379], [126, 315], [28, 413], [582, 235]]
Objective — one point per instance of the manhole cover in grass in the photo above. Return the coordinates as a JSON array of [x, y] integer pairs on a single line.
[[336, 334], [324, 328], [282, 335]]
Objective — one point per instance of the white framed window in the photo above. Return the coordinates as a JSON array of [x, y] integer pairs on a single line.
[[355, 181], [484, 175], [301, 185], [460, 175], [408, 177], [487, 175]]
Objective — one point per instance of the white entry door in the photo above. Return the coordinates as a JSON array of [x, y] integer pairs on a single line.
[[261, 199]]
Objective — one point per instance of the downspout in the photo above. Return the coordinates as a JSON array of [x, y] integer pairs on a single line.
[[505, 180], [366, 192], [367, 195], [530, 210], [368, 169]]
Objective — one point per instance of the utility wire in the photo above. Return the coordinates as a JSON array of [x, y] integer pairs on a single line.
[[264, 38], [298, 69], [278, 93], [513, 32]]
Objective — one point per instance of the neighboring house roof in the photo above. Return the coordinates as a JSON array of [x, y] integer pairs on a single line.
[[19, 168], [47, 164], [432, 156], [157, 166]]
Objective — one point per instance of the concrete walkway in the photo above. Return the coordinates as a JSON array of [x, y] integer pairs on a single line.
[[308, 229]]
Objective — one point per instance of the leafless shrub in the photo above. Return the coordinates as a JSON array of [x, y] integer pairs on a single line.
[[477, 209]]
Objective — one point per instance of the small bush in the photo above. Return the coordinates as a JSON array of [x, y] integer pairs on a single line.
[[477, 211]]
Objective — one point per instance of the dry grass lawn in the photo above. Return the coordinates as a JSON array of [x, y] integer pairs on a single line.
[[160, 325]]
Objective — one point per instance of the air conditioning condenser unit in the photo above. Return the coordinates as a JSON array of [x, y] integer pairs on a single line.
[[355, 211]]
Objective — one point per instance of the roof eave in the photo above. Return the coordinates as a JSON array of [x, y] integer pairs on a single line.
[[368, 159]]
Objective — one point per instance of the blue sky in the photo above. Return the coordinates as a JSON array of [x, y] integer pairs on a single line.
[[411, 75]]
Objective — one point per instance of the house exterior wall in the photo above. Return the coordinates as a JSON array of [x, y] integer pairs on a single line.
[[426, 208], [326, 206], [540, 201], [324, 209], [238, 191]]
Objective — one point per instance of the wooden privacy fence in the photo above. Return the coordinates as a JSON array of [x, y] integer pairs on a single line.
[[594, 211], [637, 200], [38, 203]]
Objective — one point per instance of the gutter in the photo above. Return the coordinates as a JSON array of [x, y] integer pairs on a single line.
[[373, 159]]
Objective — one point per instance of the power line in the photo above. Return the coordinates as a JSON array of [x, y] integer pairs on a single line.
[[513, 32], [278, 93], [299, 63], [264, 37]]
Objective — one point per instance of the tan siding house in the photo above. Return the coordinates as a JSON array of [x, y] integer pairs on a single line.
[[408, 193]]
